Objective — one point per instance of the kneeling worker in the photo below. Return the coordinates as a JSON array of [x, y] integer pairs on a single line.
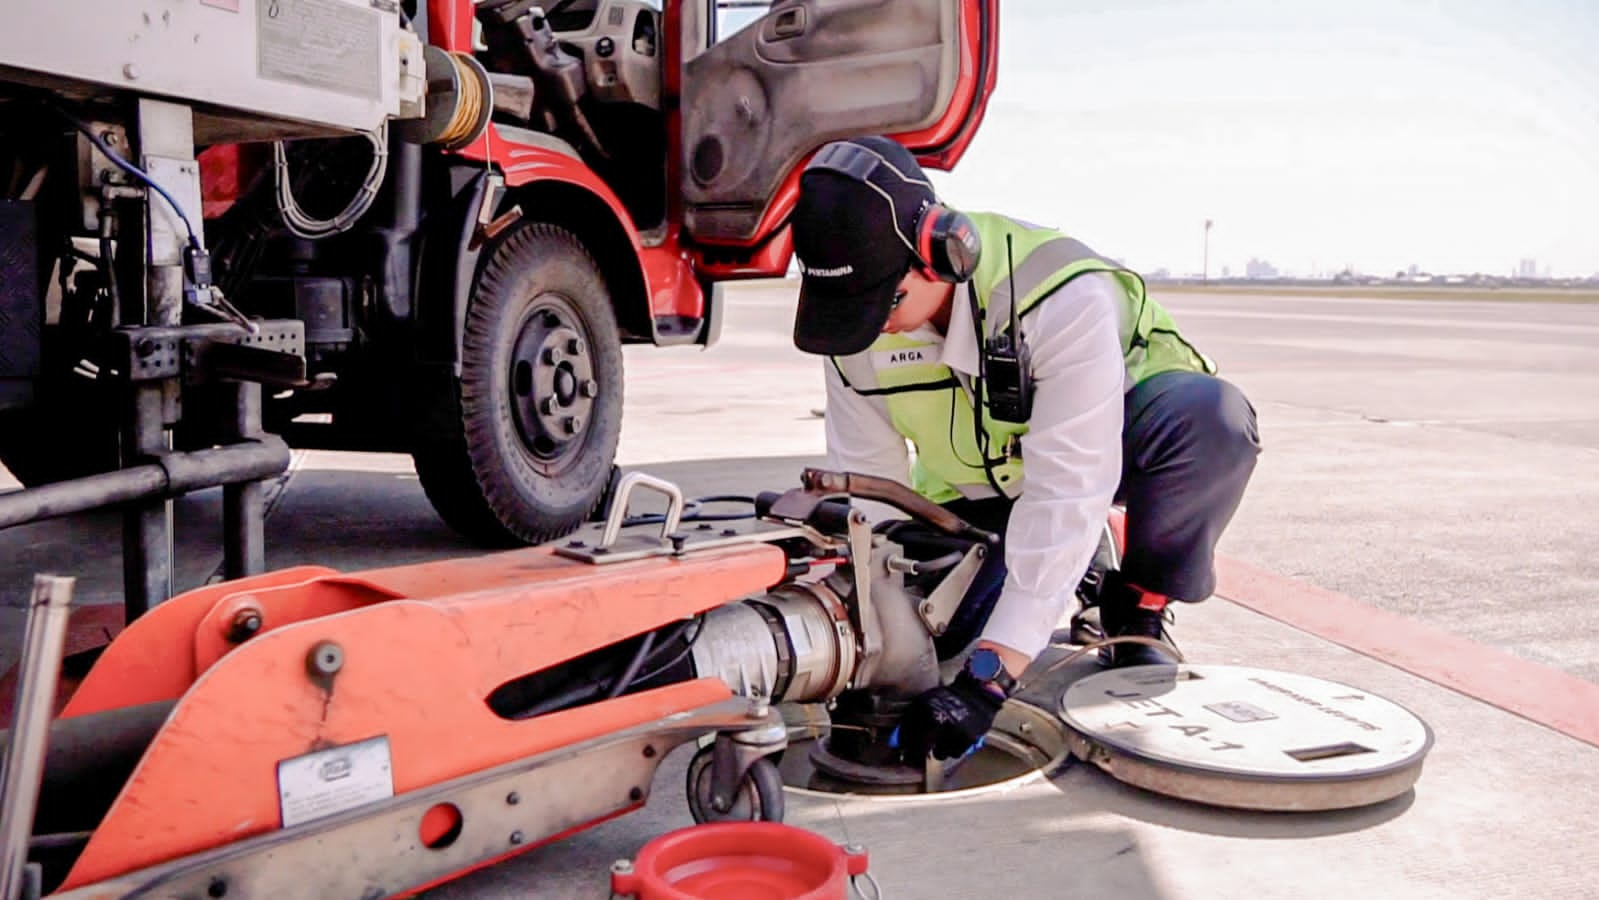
[[1097, 399]]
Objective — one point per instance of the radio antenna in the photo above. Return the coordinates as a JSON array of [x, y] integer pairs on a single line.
[[1015, 301]]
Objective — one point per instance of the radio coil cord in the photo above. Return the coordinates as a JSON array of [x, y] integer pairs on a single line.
[[979, 433], [1011, 353]]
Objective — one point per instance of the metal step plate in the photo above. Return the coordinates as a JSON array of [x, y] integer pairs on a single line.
[[1245, 738]]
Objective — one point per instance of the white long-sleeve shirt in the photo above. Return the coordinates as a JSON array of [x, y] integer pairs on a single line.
[[1071, 454]]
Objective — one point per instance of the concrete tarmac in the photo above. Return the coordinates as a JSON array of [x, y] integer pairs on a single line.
[[1431, 459], [1438, 459]]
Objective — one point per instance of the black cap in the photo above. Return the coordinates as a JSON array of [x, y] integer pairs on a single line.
[[854, 233]]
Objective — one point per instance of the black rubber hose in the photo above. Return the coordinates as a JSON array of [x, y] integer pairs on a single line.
[[688, 647], [764, 502], [88, 760], [830, 517], [632, 667], [691, 511], [586, 688], [915, 536], [575, 694]]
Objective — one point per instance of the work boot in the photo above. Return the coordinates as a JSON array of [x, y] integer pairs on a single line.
[[1126, 611]]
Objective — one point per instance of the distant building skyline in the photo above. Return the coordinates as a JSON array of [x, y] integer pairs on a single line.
[[1319, 135], [1259, 268]]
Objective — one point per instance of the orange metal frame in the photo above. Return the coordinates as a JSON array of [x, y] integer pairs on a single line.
[[423, 647]]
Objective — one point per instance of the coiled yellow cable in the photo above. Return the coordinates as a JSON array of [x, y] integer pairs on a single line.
[[468, 103]]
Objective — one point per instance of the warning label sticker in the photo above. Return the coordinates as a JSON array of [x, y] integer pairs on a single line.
[[329, 44], [326, 782]]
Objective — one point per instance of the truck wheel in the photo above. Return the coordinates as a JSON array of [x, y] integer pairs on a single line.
[[521, 444]]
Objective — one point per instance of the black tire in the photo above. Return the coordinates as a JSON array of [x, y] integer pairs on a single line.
[[519, 448], [758, 798]]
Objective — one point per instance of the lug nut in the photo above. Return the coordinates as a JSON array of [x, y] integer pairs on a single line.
[[589, 388], [573, 424], [554, 356], [547, 406], [575, 346]]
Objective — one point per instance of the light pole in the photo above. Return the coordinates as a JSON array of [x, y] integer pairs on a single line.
[[1205, 272]]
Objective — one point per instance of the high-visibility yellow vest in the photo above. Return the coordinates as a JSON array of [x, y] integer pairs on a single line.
[[933, 407]]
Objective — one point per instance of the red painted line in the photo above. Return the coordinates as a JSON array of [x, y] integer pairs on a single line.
[[1536, 692]]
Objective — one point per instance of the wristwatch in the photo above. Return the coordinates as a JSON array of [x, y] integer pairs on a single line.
[[986, 667]]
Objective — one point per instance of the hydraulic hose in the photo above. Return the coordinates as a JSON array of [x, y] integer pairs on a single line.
[[583, 689], [868, 487], [632, 666], [88, 760]]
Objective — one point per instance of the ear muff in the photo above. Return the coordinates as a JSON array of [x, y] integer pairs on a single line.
[[945, 241], [948, 244]]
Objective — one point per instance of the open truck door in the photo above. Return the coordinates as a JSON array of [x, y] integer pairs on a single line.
[[760, 99]]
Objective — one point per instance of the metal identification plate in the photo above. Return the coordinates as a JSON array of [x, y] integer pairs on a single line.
[[331, 781], [335, 45]]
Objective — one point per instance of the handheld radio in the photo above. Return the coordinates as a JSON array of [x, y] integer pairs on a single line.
[[1007, 363]]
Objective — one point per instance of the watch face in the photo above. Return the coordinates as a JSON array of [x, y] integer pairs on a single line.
[[984, 664]]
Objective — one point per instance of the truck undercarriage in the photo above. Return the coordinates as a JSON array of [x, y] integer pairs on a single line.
[[184, 276]]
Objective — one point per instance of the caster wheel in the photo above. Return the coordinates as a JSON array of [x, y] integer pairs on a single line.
[[758, 797]]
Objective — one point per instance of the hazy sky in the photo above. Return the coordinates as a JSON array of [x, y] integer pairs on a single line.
[[1458, 135]]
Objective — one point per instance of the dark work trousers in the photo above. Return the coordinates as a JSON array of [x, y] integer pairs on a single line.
[[1189, 443]]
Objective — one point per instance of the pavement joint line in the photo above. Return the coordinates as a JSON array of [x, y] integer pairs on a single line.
[[1539, 693], [280, 485], [272, 497]]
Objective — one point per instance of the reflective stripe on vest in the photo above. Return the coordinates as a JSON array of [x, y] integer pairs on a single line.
[[932, 406]]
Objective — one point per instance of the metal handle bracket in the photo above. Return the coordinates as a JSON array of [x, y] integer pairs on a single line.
[[624, 492]]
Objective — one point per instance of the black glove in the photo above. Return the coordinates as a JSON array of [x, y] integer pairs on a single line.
[[948, 720]]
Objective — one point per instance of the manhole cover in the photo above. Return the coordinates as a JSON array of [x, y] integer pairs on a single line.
[[1027, 743], [1247, 738]]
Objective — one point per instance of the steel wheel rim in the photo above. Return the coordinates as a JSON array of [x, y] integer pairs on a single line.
[[551, 382]]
